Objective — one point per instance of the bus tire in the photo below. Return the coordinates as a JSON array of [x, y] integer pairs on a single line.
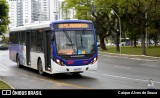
[[18, 61], [40, 67]]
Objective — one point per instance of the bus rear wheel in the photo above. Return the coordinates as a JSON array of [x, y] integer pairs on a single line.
[[18, 62], [40, 68]]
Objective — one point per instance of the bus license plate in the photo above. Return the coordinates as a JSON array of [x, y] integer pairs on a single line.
[[77, 69]]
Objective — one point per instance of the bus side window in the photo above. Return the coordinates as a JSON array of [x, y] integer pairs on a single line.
[[22, 38], [33, 40], [11, 37], [39, 42]]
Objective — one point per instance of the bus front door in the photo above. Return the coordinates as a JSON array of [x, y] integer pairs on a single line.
[[47, 50]]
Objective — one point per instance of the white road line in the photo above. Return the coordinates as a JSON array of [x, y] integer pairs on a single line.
[[122, 67], [110, 56], [129, 58], [104, 55], [143, 59], [122, 77], [151, 60], [4, 66], [136, 59], [3, 54], [149, 65]]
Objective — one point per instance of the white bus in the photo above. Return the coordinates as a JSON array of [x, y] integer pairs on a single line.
[[66, 46]]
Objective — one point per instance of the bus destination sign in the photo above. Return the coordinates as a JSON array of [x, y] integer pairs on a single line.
[[73, 25]]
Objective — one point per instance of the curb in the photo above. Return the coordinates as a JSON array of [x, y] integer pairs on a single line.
[[130, 55], [7, 83]]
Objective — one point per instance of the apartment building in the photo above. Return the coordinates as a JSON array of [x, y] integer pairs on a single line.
[[23, 12], [12, 12]]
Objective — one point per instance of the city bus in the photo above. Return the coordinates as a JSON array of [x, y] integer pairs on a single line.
[[60, 46]]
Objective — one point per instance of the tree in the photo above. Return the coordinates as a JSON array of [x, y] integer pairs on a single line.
[[97, 11], [4, 18], [136, 16], [129, 28], [154, 33], [138, 9], [155, 24]]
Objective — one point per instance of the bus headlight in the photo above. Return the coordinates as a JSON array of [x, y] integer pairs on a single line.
[[94, 60], [59, 62]]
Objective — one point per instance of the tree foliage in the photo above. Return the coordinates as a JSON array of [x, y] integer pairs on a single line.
[[140, 13], [99, 12], [136, 16], [4, 18]]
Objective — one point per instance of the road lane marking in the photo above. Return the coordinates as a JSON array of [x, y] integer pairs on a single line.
[[143, 59], [122, 67], [149, 65], [1, 54], [107, 55], [123, 77], [4, 66], [127, 55], [110, 56]]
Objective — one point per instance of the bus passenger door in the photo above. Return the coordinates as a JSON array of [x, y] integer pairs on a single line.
[[28, 47], [47, 50]]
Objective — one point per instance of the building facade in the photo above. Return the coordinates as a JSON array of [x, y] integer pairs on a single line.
[[12, 12], [35, 11], [44, 12], [23, 12]]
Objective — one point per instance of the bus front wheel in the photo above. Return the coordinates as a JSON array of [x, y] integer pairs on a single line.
[[40, 68]]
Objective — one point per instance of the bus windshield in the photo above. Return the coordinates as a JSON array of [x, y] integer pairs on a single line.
[[75, 42]]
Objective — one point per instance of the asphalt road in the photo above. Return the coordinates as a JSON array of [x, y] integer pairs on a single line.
[[114, 72]]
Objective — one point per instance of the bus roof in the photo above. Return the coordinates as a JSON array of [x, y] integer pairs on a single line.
[[72, 20], [46, 24], [31, 26]]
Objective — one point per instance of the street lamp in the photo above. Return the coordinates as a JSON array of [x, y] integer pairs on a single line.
[[112, 11]]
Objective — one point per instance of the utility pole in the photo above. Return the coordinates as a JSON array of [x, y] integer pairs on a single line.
[[120, 31], [146, 31]]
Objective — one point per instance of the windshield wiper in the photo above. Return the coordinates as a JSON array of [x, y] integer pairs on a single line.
[[69, 38], [82, 37]]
